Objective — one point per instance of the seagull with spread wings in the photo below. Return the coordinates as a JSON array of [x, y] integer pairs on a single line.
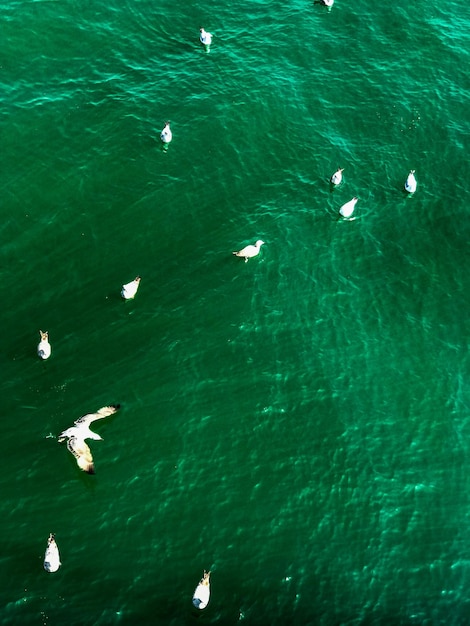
[[80, 431]]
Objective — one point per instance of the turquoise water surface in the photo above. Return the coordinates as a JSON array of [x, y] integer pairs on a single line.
[[298, 424]]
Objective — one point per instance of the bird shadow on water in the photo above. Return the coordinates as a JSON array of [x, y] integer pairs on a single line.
[[76, 474]]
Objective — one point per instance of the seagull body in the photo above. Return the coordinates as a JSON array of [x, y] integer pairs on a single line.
[[129, 290], [410, 185], [249, 251], [205, 38], [51, 558], [166, 134], [80, 431], [44, 347], [202, 592], [337, 176], [348, 209]]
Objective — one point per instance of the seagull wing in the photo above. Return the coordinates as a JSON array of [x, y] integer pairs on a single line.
[[246, 251], [82, 453], [100, 414]]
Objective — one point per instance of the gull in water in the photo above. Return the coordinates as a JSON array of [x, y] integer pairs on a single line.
[[129, 290], [326, 3], [202, 592], [348, 209], [166, 134], [205, 38], [80, 431], [52, 558], [44, 347], [410, 185], [337, 176], [249, 251]]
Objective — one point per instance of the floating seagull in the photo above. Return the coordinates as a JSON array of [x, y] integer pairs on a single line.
[[52, 558], [44, 347], [249, 251], [410, 185], [337, 176], [202, 592], [326, 3], [129, 290], [347, 209], [166, 135], [77, 434], [205, 38]]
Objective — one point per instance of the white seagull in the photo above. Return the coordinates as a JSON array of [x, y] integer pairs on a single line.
[[52, 558], [44, 347], [249, 251], [205, 38], [337, 176], [202, 593], [129, 290], [80, 431], [348, 209], [326, 3], [410, 185], [166, 135]]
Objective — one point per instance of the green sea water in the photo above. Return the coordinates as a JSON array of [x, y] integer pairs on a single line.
[[298, 424]]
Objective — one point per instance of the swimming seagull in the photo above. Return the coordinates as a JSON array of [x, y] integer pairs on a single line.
[[337, 176], [249, 251], [202, 592], [205, 38], [77, 434], [129, 290], [410, 185], [166, 134], [44, 347], [52, 558], [326, 3], [347, 209]]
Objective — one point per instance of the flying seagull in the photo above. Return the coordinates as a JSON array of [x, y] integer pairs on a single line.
[[80, 431]]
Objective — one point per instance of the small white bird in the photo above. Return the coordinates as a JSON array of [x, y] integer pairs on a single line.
[[52, 558], [348, 209], [410, 185], [44, 347], [202, 592], [205, 38], [326, 3], [249, 251], [166, 135], [337, 176], [80, 431], [129, 290]]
